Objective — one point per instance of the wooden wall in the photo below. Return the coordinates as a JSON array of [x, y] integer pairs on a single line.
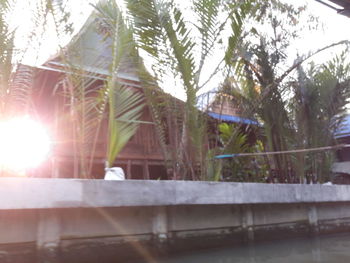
[[141, 154]]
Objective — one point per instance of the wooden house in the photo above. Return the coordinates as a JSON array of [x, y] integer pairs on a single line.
[[225, 108], [90, 55], [341, 168]]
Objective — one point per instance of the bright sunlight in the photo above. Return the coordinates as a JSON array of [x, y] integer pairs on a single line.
[[24, 144]]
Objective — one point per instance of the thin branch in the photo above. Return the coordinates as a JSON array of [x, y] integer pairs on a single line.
[[212, 75], [294, 66], [204, 54]]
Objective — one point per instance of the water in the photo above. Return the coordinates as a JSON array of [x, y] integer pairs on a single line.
[[323, 249], [313, 250]]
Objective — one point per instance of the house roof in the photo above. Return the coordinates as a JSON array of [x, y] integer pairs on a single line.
[[342, 3], [231, 118], [343, 6], [344, 129], [91, 51]]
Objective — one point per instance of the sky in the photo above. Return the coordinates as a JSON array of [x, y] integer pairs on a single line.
[[333, 28], [336, 28], [50, 42]]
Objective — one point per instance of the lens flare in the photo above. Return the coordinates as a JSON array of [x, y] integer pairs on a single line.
[[24, 144]]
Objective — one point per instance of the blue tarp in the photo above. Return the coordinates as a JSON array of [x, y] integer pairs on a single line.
[[230, 118]]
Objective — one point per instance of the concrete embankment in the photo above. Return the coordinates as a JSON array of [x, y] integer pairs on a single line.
[[71, 220]]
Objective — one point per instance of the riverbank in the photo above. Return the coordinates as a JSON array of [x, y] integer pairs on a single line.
[[142, 219]]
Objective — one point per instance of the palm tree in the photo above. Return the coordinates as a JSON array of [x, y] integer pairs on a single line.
[[90, 104], [318, 106], [301, 127], [180, 50], [83, 107]]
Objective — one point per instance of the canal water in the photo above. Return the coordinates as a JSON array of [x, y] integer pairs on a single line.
[[313, 250], [322, 249]]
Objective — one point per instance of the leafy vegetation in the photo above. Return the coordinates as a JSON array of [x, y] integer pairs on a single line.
[[245, 44], [294, 113], [180, 49], [83, 103], [92, 105]]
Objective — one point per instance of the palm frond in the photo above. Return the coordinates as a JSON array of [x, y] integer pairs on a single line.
[[125, 111], [124, 105], [240, 11], [20, 90], [209, 25], [162, 31], [6, 55]]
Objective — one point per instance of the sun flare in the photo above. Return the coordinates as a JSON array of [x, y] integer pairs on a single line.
[[24, 144]]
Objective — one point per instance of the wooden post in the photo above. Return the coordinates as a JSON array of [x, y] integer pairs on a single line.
[[55, 168], [128, 170], [48, 236], [313, 219], [145, 170], [160, 224], [248, 223]]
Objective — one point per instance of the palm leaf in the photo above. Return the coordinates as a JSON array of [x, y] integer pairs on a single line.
[[162, 31], [125, 110], [124, 105]]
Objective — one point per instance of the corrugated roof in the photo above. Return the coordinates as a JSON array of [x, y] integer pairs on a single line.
[[231, 118], [344, 129]]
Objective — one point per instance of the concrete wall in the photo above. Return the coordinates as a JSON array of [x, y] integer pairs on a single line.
[[64, 218], [27, 193]]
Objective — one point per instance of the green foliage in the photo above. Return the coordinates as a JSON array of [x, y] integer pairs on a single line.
[[308, 121], [167, 37], [124, 105], [299, 108], [268, 92], [125, 110], [318, 106], [12, 95], [88, 106], [241, 169]]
